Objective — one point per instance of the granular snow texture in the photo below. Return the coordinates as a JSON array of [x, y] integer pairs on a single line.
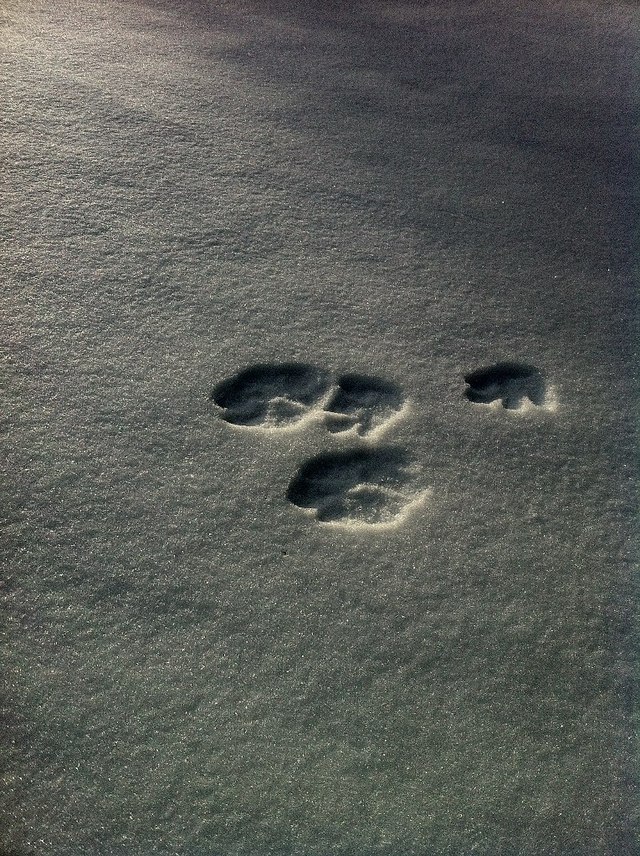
[[320, 452]]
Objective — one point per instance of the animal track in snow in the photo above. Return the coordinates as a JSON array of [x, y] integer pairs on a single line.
[[372, 487], [510, 383], [362, 403], [365, 486], [271, 396]]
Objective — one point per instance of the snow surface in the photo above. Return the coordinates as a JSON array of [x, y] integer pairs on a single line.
[[379, 613]]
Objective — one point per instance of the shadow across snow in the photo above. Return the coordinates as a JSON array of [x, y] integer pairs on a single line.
[[381, 81]]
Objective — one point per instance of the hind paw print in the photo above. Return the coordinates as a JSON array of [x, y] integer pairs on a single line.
[[370, 487], [362, 404]]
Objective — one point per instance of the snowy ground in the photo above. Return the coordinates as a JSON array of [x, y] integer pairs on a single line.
[[279, 580]]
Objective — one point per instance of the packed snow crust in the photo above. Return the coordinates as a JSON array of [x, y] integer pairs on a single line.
[[318, 427]]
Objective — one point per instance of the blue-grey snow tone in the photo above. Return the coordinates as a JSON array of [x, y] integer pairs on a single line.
[[318, 427]]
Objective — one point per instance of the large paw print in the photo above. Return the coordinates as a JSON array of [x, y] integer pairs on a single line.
[[510, 383], [372, 487], [363, 404], [271, 396], [283, 395]]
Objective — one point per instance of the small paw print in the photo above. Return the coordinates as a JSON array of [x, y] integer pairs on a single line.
[[510, 383]]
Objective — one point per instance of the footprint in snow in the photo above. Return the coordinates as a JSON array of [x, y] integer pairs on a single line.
[[271, 396], [365, 486], [510, 383], [363, 404], [358, 487]]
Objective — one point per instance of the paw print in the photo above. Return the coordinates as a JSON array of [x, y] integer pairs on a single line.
[[271, 396], [275, 396], [364, 485], [510, 383], [363, 404], [357, 487]]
